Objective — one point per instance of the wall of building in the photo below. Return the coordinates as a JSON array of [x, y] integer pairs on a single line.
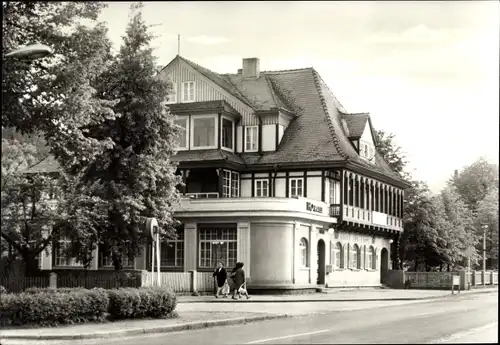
[[268, 137]]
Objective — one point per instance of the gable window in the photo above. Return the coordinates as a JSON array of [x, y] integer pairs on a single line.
[[230, 184], [227, 134], [251, 138], [183, 123], [262, 188], [188, 91], [172, 97], [296, 187], [303, 250], [365, 150], [204, 131], [172, 251]]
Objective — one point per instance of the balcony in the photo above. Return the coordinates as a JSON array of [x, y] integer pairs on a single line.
[[368, 217], [335, 210], [210, 205]]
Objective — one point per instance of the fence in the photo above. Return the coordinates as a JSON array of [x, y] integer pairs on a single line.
[[439, 280], [181, 281], [19, 284]]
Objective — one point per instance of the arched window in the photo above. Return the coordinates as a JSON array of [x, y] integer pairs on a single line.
[[354, 256], [303, 250], [370, 258], [338, 255]]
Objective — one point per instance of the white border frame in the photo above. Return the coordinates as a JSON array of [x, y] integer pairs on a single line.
[[223, 117]]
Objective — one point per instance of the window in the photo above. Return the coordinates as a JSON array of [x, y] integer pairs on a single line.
[[337, 255], [345, 252], [62, 254], [365, 152], [333, 185], [262, 188], [227, 134], [107, 261], [204, 132], [354, 257], [230, 184], [251, 138], [217, 244], [172, 97], [370, 256], [188, 91], [172, 251], [303, 250], [182, 122], [296, 186]]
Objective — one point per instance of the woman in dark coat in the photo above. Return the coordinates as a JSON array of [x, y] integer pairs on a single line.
[[239, 278], [220, 275]]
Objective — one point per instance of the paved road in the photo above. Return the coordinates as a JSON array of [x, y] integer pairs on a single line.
[[466, 319]]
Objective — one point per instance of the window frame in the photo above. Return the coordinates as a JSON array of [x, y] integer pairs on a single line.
[[294, 179], [371, 254], [338, 251], [304, 253], [192, 129], [213, 241], [64, 260], [247, 128], [174, 94], [231, 188], [233, 134], [256, 186], [186, 120], [188, 82], [355, 249], [176, 244]]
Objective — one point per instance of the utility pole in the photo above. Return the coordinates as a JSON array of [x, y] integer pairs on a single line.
[[485, 227]]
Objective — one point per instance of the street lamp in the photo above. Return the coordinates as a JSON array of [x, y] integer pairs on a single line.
[[32, 52], [485, 228]]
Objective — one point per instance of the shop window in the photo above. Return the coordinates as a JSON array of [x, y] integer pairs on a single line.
[[217, 244], [303, 250]]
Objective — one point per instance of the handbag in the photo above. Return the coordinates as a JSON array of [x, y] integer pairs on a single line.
[[225, 288]]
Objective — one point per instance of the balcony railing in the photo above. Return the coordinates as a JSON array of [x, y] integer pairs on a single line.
[[334, 210], [372, 217], [202, 195]]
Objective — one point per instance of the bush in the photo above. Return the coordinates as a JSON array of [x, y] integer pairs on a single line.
[[3, 290], [126, 303], [52, 290], [50, 308]]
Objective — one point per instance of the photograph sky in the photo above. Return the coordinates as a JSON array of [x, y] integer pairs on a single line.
[[426, 71]]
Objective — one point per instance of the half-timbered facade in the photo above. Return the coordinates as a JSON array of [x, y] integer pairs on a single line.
[[278, 175]]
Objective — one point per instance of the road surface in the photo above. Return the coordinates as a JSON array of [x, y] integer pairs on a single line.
[[465, 319]]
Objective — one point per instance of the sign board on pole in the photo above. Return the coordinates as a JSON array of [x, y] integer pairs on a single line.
[[455, 281]]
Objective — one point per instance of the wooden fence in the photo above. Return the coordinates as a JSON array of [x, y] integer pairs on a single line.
[[19, 284], [439, 280], [181, 281]]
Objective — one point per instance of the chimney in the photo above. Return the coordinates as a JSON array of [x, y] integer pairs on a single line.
[[251, 68], [240, 71], [456, 174]]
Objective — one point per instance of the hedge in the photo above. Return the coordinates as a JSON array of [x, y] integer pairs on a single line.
[[51, 307]]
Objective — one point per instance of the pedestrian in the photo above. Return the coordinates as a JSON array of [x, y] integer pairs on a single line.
[[240, 281], [220, 276]]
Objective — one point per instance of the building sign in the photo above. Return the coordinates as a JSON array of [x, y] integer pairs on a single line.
[[313, 208], [354, 238]]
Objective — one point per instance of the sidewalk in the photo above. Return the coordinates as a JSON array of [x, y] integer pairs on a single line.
[[195, 312]]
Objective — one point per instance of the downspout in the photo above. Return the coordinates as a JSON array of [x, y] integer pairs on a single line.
[[274, 179]]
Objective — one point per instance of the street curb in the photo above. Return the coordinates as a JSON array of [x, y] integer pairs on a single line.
[[341, 300], [160, 329]]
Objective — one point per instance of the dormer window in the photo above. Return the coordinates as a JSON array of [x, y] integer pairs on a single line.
[[188, 91], [251, 138], [227, 134]]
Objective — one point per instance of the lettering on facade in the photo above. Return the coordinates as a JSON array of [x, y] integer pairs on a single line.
[[313, 208], [354, 238]]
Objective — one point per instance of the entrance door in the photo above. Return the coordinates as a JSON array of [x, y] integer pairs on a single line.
[[384, 264], [321, 263]]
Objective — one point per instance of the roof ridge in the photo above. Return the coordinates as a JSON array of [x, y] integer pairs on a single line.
[[273, 96], [284, 95], [327, 114], [277, 71]]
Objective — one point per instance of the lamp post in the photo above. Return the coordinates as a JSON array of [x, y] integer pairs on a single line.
[[485, 227], [31, 52]]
